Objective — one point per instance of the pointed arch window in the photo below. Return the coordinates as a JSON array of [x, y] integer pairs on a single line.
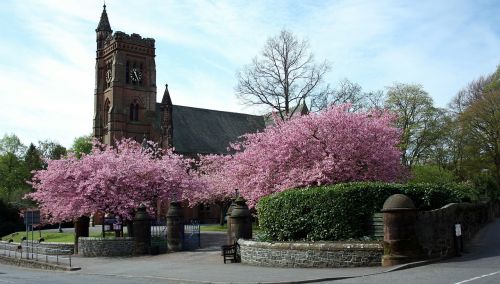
[[134, 111], [107, 106]]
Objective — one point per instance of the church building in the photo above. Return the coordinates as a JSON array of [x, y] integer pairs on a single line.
[[125, 101], [125, 106]]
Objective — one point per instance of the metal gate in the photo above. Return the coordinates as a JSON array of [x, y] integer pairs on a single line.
[[191, 238], [159, 236]]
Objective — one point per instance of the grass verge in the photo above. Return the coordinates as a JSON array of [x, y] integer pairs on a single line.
[[55, 237]]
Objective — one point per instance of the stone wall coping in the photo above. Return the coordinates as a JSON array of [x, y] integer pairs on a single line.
[[110, 239], [319, 246], [36, 242], [462, 205], [52, 243]]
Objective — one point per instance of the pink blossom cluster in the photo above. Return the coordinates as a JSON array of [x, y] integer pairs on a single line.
[[113, 180], [323, 148]]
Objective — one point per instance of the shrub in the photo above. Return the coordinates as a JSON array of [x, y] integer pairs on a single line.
[[10, 220], [342, 211], [486, 185]]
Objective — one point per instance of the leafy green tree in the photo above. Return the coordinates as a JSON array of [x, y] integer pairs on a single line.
[[481, 121], [13, 171], [431, 174], [417, 117], [475, 129], [33, 159], [51, 149], [12, 144], [82, 145]]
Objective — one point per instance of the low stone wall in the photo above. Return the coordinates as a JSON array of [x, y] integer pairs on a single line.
[[435, 228], [317, 255], [51, 248], [91, 247], [47, 248]]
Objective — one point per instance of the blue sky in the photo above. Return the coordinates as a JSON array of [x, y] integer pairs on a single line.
[[47, 50]]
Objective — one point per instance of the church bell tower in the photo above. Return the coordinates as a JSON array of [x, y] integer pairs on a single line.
[[125, 85]]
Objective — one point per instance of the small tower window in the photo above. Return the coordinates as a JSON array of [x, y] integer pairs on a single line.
[[108, 76], [127, 72], [134, 111]]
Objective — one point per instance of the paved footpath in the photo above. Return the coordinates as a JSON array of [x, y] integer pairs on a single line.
[[207, 266]]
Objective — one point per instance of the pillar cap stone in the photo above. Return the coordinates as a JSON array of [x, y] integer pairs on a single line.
[[141, 213], [398, 202], [240, 209], [174, 210]]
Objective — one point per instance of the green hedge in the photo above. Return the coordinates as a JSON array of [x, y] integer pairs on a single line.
[[342, 211]]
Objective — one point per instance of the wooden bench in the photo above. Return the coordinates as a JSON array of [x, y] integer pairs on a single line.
[[230, 252]]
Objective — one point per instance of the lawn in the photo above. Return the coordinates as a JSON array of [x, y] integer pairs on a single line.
[[219, 228], [69, 237], [48, 236]]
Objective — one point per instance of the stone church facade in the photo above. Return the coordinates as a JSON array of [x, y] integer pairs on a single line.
[[125, 101], [125, 105]]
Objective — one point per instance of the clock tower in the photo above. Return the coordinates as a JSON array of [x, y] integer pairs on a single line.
[[125, 85]]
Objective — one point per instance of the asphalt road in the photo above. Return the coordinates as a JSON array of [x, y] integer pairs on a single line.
[[12, 274], [480, 265]]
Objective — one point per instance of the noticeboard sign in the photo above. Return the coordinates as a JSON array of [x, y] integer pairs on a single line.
[[112, 224], [32, 217], [458, 230]]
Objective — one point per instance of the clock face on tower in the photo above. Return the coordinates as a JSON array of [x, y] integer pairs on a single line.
[[135, 75], [108, 76]]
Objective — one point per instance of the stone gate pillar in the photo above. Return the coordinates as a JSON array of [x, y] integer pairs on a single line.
[[175, 227], [81, 229], [142, 231], [228, 218], [400, 240], [241, 221]]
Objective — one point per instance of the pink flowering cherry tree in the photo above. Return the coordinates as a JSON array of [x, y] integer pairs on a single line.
[[112, 179], [323, 148], [216, 189]]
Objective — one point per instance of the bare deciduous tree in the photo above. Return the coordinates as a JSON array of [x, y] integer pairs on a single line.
[[351, 93], [283, 76]]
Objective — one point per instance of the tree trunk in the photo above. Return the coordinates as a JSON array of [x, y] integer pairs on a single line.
[[223, 205]]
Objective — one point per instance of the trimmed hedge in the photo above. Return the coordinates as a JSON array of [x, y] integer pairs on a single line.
[[342, 211]]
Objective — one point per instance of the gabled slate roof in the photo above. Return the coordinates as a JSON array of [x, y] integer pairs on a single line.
[[204, 131]]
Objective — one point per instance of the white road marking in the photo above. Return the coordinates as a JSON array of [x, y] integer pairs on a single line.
[[478, 277], [5, 281]]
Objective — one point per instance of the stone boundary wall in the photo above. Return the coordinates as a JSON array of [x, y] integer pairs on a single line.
[[317, 255], [48, 248], [92, 247], [35, 264], [52, 248], [435, 228]]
